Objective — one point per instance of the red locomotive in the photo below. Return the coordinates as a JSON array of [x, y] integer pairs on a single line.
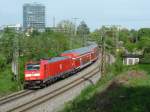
[[44, 72]]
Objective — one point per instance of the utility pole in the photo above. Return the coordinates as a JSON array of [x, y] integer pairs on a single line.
[[103, 56], [54, 22], [116, 41], [116, 37], [84, 39], [73, 34], [75, 22], [15, 61]]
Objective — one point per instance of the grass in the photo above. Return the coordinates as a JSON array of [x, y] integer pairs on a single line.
[[131, 95], [80, 103], [145, 67], [7, 86]]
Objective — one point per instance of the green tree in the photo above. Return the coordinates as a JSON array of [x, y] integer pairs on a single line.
[[83, 29], [3, 61], [66, 26], [144, 32], [124, 35], [144, 43], [6, 44], [134, 36]]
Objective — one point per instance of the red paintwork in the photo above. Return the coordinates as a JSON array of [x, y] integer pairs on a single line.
[[55, 68], [72, 61], [83, 59], [51, 69], [33, 77]]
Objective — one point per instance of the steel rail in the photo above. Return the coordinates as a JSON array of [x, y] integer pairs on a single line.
[[55, 93], [15, 96]]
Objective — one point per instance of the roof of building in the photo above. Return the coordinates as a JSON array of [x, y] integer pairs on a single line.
[[132, 56], [33, 4]]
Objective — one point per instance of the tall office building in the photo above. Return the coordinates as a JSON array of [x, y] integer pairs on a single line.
[[34, 16]]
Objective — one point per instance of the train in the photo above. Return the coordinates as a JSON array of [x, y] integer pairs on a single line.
[[46, 71]]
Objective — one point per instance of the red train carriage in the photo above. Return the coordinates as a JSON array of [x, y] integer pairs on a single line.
[[83, 56], [94, 52], [44, 72], [47, 71]]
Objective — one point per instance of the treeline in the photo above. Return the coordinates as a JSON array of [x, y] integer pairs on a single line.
[[66, 35], [18, 46], [52, 42], [130, 40], [34, 45], [125, 41]]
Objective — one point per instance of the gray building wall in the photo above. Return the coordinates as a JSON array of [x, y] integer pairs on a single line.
[[34, 16]]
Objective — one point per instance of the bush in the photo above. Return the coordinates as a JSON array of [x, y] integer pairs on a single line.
[[3, 61], [146, 59], [118, 66]]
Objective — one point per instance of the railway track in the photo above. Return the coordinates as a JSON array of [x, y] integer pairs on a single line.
[[50, 95], [15, 96], [28, 99]]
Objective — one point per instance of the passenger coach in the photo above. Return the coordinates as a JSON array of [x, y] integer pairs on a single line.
[[44, 72]]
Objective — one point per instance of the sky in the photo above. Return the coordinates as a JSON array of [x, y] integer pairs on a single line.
[[127, 13]]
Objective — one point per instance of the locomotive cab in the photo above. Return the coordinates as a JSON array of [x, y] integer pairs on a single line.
[[32, 71], [32, 75]]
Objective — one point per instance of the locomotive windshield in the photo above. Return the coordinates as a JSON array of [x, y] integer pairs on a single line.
[[33, 67]]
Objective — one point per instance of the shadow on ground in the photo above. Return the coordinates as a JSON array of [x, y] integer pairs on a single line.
[[117, 98]]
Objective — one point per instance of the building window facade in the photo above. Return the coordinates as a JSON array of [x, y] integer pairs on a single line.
[[34, 16]]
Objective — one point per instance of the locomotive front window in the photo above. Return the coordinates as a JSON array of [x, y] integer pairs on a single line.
[[33, 67]]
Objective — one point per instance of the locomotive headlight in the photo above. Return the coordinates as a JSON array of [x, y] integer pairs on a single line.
[[37, 74], [27, 75], [30, 75]]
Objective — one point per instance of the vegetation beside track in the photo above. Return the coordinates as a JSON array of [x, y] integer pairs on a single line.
[[7, 85], [38, 46], [50, 43], [126, 90]]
